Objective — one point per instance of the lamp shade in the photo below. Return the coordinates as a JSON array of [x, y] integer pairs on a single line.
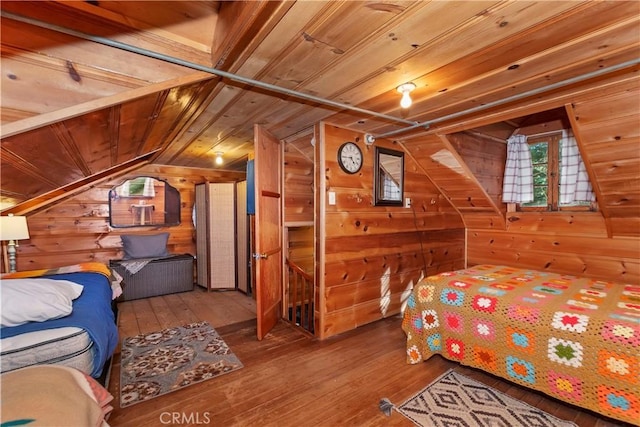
[[13, 227]]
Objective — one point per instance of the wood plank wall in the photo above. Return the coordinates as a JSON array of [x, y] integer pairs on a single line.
[[299, 209], [450, 172], [369, 257], [605, 244], [76, 229], [299, 246], [485, 159], [298, 184]]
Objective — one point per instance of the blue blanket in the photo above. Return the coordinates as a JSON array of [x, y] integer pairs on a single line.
[[91, 312]]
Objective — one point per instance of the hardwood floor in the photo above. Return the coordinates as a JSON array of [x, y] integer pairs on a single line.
[[290, 379]]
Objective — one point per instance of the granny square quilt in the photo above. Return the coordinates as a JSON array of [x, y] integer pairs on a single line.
[[573, 338]]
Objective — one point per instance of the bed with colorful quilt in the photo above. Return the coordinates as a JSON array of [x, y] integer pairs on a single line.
[[61, 316], [573, 338]]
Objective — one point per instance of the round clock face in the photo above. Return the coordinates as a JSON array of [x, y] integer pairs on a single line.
[[350, 157]]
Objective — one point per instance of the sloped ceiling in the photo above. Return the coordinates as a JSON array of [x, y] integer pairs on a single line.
[[74, 108]]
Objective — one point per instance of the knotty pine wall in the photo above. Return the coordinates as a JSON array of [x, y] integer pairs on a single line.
[[77, 229], [298, 184], [299, 209], [603, 245], [369, 257]]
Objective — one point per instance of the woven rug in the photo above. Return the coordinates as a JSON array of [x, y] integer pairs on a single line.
[[455, 400], [161, 362]]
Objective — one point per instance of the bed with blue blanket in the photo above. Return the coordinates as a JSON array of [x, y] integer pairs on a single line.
[[37, 330]]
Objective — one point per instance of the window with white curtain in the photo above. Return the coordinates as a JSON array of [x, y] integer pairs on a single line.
[[559, 177]]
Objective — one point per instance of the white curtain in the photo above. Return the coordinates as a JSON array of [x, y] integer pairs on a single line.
[[148, 190], [517, 186], [574, 181]]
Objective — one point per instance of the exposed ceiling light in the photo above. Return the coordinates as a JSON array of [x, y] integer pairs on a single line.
[[219, 160], [405, 90]]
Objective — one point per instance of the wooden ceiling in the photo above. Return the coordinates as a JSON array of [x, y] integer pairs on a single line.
[[145, 88]]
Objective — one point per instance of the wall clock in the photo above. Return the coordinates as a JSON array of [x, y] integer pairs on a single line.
[[350, 157]]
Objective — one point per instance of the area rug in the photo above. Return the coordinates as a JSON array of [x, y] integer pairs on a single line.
[[161, 362], [456, 400]]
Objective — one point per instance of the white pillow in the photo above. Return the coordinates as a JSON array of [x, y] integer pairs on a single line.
[[36, 300]]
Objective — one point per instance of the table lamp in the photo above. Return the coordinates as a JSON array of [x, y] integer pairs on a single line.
[[13, 228]]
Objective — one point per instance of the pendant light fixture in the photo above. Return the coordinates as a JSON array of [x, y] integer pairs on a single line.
[[405, 90]]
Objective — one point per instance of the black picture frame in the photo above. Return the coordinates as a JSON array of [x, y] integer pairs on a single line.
[[388, 184]]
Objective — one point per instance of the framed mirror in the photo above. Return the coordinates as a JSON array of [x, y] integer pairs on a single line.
[[388, 182], [144, 202]]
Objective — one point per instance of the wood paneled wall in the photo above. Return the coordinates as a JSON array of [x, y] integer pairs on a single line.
[[571, 243], [442, 163], [76, 229], [299, 232], [369, 257], [608, 131], [298, 183], [604, 244], [485, 159], [299, 245]]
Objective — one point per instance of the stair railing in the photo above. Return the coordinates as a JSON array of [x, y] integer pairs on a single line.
[[300, 297]]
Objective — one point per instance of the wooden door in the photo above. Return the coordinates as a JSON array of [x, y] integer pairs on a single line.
[[268, 227]]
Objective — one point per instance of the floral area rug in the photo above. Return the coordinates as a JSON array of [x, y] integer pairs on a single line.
[[160, 362], [456, 400]]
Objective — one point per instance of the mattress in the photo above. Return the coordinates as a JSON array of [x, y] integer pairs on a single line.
[[96, 333], [68, 346]]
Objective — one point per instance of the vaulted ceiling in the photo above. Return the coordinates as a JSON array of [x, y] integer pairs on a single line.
[[92, 87]]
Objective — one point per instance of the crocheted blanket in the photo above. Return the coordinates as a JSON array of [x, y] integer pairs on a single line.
[[575, 339]]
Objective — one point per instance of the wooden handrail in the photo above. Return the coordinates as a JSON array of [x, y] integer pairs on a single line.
[[302, 303], [299, 270]]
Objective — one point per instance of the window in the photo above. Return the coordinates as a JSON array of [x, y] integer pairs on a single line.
[[391, 188], [547, 163], [137, 187]]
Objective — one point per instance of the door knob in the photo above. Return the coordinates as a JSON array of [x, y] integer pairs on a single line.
[[261, 256]]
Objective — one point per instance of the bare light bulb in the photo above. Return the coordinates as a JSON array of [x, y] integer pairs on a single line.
[[219, 160], [405, 90], [405, 102]]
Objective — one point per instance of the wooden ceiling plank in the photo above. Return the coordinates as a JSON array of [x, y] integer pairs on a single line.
[[226, 99], [432, 54], [494, 87], [43, 200], [65, 138], [278, 54], [494, 58], [27, 168], [176, 138], [114, 142], [149, 124], [553, 99], [31, 59], [45, 119], [129, 68], [189, 24], [238, 26], [91, 21]]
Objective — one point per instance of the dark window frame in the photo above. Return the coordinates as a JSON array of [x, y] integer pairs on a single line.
[[553, 178]]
